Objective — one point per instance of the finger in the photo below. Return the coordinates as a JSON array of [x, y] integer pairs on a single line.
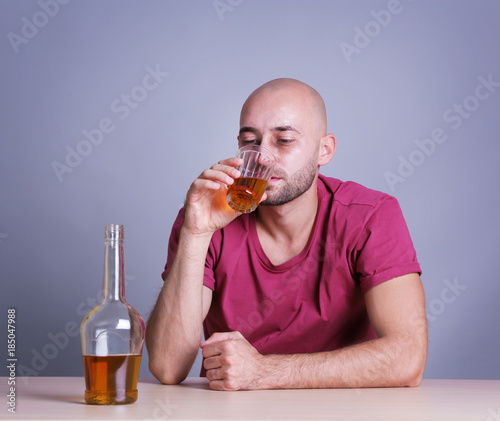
[[231, 171], [221, 336], [211, 363], [201, 184], [211, 349], [217, 385], [215, 337], [215, 374], [217, 176], [233, 162], [264, 197], [224, 385]]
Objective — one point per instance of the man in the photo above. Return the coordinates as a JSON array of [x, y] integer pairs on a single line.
[[318, 288]]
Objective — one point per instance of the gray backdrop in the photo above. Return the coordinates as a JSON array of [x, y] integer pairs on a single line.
[[110, 109]]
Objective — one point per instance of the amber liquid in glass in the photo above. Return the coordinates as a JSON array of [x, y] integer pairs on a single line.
[[244, 195], [111, 380]]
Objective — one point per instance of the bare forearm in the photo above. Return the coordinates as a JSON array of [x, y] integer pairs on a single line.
[[175, 327], [384, 362], [397, 358]]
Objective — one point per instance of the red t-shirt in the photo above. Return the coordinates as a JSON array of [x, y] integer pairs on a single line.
[[314, 302]]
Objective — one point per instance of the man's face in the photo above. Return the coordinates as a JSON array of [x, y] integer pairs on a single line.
[[283, 122]]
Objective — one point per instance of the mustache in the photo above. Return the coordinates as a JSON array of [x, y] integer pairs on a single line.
[[279, 173]]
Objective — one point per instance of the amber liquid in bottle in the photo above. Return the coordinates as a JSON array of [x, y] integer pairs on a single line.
[[112, 334], [112, 379], [244, 195]]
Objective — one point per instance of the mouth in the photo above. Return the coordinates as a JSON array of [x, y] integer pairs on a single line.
[[274, 180]]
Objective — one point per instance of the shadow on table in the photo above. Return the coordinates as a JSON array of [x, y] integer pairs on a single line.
[[191, 382], [55, 398]]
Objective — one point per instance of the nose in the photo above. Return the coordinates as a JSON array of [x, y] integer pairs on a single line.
[[268, 143], [266, 159]]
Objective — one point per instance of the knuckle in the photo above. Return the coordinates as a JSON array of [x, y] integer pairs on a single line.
[[226, 360], [231, 384], [228, 346], [205, 173], [211, 374], [197, 184], [231, 373]]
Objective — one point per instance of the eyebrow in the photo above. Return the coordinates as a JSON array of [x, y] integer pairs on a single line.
[[247, 129], [286, 129]]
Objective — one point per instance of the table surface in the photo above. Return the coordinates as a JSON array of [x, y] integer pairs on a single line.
[[41, 398]]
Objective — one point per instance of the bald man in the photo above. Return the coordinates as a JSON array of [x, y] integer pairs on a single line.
[[318, 288]]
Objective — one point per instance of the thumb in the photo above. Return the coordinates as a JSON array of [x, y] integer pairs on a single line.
[[221, 336]]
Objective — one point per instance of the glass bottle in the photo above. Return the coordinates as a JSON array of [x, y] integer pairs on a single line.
[[112, 334]]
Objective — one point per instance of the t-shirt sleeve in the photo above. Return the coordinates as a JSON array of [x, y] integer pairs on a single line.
[[173, 242], [384, 249]]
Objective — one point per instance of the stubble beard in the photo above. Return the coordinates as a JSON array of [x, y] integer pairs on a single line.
[[294, 186]]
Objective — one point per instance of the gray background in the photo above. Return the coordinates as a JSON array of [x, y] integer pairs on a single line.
[[385, 85]]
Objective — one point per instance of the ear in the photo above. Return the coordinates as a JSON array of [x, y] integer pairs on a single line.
[[327, 148]]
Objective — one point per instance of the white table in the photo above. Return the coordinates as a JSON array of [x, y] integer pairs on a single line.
[[61, 398]]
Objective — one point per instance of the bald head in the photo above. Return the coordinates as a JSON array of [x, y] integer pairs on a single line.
[[293, 91], [288, 117]]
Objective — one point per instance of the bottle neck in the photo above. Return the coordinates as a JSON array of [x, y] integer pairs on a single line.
[[114, 276]]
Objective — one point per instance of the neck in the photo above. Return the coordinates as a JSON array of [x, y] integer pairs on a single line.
[[113, 282], [292, 221]]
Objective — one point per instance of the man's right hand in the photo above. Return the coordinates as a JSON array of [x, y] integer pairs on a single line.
[[174, 328], [206, 206]]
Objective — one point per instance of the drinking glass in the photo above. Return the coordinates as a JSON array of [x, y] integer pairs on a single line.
[[246, 192]]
